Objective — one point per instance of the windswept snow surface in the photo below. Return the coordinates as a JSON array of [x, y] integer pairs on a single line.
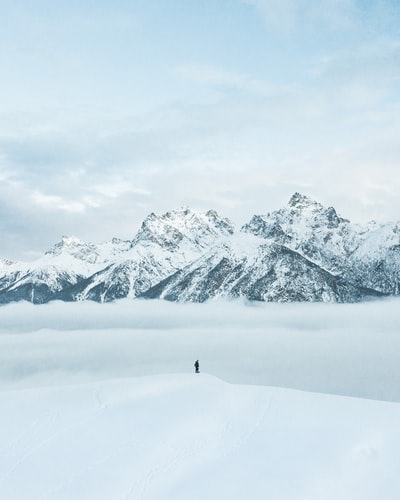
[[174, 437], [100, 402]]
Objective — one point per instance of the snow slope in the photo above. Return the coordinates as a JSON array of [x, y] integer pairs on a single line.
[[175, 437]]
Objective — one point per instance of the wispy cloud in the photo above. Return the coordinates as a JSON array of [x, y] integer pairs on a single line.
[[52, 202], [285, 15], [218, 77], [119, 188], [313, 16], [210, 74]]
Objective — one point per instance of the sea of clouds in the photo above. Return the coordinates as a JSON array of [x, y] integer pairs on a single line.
[[348, 349]]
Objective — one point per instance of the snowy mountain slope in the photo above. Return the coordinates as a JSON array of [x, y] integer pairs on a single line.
[[302, 252], [75, 270], [163, 245], [67, 263], [39, 285], [70, 246], [272, 273], [128, 278], [366, 256], [376, 262], [9, 272], [312, 230], [183, 229]]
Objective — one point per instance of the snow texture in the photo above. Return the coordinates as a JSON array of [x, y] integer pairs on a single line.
[[175, 437]]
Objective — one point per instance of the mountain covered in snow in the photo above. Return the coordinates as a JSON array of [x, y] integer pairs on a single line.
[[302, 252]]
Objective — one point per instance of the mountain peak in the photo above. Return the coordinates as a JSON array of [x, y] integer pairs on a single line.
[[6, 263], [299, 200], [183, 224], [66, 244], [73, 246], [71, 241]]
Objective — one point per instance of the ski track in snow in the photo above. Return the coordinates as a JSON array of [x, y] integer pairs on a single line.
[[51, 424], [140, 489], [54, 492], [27, 444], [9, 448]]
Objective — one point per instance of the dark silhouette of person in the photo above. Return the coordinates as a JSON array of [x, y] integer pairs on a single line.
[[197, 366]]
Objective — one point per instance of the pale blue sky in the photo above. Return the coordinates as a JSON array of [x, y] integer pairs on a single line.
[[111, 110]]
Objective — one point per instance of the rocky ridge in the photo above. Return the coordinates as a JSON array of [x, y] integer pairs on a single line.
[[301, 252]]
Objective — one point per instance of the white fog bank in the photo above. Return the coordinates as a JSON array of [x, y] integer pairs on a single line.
[[351, 350]]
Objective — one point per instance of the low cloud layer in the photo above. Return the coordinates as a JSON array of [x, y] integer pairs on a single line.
[[341, 349]]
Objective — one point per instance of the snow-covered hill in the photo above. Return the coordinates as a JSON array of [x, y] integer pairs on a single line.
[[302, 252], [193, 436]]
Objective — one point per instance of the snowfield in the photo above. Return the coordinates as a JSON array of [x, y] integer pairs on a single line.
[[194, 436], [101, 402]]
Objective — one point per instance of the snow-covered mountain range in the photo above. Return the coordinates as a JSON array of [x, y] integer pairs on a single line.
[[302, 252]]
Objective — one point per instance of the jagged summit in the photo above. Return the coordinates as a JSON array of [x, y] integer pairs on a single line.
[[173, 228], [326, 215], [6, 262], [310, 229], [66, 243], [74, 247], [298, 200], [71, 240]]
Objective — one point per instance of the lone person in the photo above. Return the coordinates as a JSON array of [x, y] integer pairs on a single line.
[[197, 366]]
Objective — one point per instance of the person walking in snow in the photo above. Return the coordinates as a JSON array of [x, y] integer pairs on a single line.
[[197, 366]]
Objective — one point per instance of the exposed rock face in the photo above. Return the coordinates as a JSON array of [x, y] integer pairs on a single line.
[[302, 252]]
